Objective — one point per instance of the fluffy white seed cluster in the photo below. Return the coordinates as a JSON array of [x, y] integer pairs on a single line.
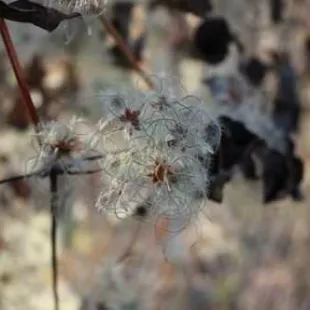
[[61, 144], [160, 162], [78, 6]]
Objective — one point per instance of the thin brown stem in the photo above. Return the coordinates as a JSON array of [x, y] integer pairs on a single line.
[[125, 50], [17, 178], [54, 210], [19, 72]]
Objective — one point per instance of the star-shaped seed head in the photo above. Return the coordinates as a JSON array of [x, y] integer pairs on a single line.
[[161, 173], [131, 117]]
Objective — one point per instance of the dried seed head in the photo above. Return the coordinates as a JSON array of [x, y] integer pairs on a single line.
[[60, 143], [124, 110], [59, 137], [80, 6], [159, 163], [167, 179], [131, 117], [161, 173], [160, 104]]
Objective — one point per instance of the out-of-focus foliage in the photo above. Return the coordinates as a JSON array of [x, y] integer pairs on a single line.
[[25, 11]]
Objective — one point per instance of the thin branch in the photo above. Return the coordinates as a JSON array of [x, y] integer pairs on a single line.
[[54, 210], [125, 50], [39, 174], [83, 172], [19, 73], [93, 157], [17, 178]]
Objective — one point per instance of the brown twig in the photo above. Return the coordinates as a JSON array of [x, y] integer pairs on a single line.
[[54, 210], [125, 50], [19, 73], [17, 178]]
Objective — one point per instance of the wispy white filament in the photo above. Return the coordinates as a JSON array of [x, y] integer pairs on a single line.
[[60, 143], [79, 6], [159, 160]]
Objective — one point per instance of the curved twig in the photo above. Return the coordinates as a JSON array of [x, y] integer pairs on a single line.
[[125, 50]]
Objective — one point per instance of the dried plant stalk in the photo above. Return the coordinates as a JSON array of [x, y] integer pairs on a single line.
[[19, 73], [125, 50], [54, 204]]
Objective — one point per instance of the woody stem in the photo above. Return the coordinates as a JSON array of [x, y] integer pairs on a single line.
[[124, 48], [19, 72]]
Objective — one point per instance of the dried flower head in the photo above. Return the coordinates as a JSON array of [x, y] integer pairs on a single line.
[[123, 111], [172, 183], [79, 6], [87, 9], [152, 117], [158, 162], [61, 144]]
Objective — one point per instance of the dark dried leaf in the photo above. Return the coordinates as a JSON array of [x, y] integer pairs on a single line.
[[24, 11]]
